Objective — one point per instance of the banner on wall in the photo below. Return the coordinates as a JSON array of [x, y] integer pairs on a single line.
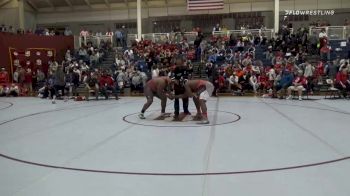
[[26, 48], [33, 58]]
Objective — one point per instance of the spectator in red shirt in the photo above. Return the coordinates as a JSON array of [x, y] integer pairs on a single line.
[[28, 80], [299, 84], [107, 84], [4, 76], [263, 81], [342, 81], [221, 81], [319, 72], [325, 52]]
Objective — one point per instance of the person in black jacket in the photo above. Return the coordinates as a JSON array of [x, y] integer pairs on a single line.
[[213, 76], [180, 74]]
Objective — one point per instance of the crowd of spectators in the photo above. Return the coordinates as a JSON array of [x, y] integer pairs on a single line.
[[286, 66], [231, 64], [119, 35]]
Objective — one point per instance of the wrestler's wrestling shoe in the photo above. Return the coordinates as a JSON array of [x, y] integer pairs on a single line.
[[142, 116], [188, 113], [203, 122], [165, 115], [197, 118]]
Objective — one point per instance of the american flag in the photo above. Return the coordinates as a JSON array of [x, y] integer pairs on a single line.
[[193, 5]]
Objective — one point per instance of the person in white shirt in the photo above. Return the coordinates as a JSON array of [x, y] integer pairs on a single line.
[[109, 33], [322, 34], [77, 71], [67, 32], [155, 72], [46, 32], [84, 33], [253, 81], [271, 74], [308, 70], [217, 28], [233, 82], [84, 67], [16, 75], [99, 34]]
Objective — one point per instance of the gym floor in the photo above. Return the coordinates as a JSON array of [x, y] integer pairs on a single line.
[[252, 146]]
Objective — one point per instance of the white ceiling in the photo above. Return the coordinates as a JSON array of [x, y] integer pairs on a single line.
[[69, 5]]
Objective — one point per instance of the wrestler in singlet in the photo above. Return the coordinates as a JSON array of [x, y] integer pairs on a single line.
[[200, 90], [203, 89], [151, 88], [155, 87]]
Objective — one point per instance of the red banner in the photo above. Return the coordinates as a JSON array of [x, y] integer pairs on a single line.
[[33, 58], [32, 50]]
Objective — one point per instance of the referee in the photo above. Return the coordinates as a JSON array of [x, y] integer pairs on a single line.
[[181, 73]]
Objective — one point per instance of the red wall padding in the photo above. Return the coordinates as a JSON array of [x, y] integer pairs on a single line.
[[21, 43]]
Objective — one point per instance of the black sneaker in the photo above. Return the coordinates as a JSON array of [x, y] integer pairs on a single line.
[[176, 118], [188, 113]]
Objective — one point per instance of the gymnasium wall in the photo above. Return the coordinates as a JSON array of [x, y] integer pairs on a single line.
[[9, 14], [101, 18], [30, 20], [22, 42], [104, 19]]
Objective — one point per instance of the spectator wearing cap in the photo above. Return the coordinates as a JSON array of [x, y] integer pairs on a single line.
[[342, 81], [299, 84], [269, 53]]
